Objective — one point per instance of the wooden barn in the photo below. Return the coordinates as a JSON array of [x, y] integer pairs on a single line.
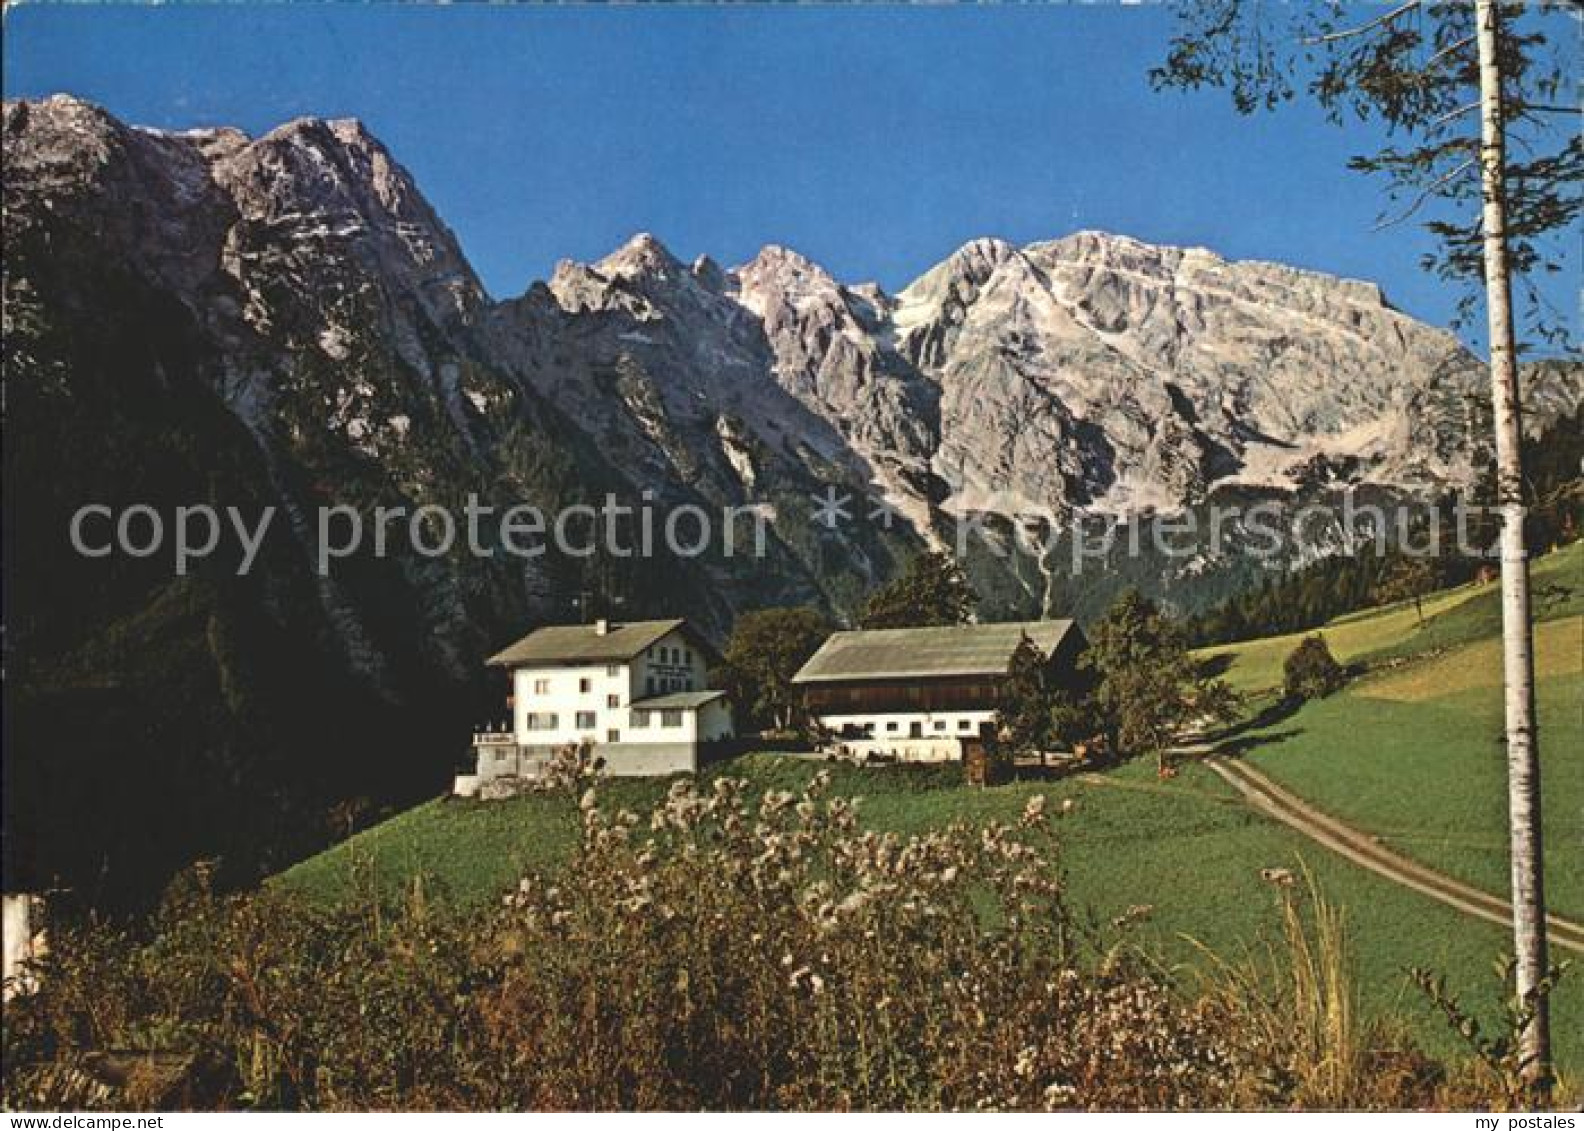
[[915, 693]]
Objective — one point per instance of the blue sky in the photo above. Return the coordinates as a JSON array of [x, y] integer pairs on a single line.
[[874, 140]]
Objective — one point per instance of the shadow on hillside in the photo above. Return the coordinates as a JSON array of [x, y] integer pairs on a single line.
[[1237, 747], [1212, 666], [1253, 732]]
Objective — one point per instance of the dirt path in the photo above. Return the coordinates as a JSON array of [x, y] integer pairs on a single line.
[[1364, 850]]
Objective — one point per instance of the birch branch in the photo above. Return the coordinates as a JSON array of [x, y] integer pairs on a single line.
[[1429, 191], [1449, 49], [1362, 29], [1442, 119]]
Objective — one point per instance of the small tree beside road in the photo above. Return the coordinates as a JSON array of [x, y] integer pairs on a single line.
[[1149, 689]]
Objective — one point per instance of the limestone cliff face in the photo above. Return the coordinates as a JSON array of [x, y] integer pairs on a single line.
[[321, 306], [1089, 373], [1097, 371]]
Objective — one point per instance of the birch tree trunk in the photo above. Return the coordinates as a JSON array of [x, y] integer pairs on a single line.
[[1523, 754]]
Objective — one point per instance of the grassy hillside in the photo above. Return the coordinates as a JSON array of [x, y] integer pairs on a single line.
[[1455, 616], [1421, 766], [1410, 752], [1187, 849], [1413, 753]]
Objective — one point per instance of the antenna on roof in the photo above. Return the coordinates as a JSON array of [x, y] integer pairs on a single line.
[[585, 604]]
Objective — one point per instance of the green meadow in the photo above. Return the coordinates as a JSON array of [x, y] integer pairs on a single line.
[[1183, 855], [1449, 618], [1411, 750]]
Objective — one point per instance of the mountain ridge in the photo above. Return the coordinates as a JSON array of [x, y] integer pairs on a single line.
[[1092, 372]]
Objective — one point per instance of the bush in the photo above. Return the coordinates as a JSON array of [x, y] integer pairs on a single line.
[[724, 952], [1311, 672]]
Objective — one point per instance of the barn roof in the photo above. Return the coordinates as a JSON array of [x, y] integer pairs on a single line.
[[903, 653], [586, 644]]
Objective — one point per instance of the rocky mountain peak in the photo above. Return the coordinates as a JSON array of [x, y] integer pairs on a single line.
[[59, 137], [779, 283], [641, 278], [326, 165], [60, 112], [331, 185], [710, 275], [969, 266], [642, 255], [344, 130], [1093, 243], [777, 259], [929, 309], [352, 131], [1252, 279]]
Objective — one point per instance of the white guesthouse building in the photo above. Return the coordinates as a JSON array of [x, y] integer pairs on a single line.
[[634, 691]]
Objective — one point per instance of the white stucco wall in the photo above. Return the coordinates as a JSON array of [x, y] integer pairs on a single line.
[[606, 692], [892, 733], [715, 720], [559, 691]]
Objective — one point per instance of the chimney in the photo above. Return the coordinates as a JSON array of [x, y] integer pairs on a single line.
[[601, 627]]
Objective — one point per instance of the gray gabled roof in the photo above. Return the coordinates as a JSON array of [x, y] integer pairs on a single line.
[[677, 701], [907, 653], [584, 644]]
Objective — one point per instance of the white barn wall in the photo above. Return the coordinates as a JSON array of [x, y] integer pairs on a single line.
[[939, 740], [896, 725]]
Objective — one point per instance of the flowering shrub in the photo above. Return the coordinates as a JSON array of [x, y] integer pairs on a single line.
[[733, 953], [725, 951]]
